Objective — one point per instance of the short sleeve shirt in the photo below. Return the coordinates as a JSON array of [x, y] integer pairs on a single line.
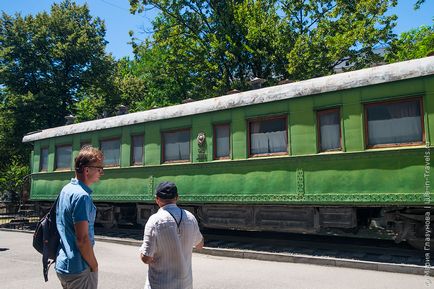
[[171, 248], [75, 205]]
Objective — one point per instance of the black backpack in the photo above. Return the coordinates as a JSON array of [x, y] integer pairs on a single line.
[[46, 239]]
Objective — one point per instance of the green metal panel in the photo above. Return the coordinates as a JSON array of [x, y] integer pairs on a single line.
[[289, 134], [36, 157], [31, 162], [303, 126], [372, 178], [64, 140], [138, 129], [239, 129], [266, 109], [386, 91], [125, 147], [85, 138], [175, 123], [76, 146], [327, 100], [352, 117], [95, 140], [152, 144], [51, 159], [224, 116]]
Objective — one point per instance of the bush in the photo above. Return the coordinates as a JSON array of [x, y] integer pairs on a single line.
[[13, 181]]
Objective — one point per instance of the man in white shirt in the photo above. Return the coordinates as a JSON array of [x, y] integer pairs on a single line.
[[169, 237]]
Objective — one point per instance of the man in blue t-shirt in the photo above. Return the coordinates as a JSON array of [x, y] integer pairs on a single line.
[[76, 264]]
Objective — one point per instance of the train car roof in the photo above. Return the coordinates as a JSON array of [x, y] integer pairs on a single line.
[[359, 78]]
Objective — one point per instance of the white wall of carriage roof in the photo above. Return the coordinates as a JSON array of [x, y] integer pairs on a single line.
[[364, 77]]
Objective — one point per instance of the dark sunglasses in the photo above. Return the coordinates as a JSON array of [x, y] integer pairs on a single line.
[[100, 169]]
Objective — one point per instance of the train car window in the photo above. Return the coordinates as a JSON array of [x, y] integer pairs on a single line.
[[137, 150], [221, 141], [329, 130], [394, 123], [176, 146], [111, 149], [63, 157], [268, 136], [43, 160]]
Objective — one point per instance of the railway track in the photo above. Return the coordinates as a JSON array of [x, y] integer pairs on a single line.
[[346, 248], [350, 252], [350, 248]]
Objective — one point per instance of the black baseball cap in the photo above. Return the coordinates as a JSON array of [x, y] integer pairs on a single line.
[[166, 190]]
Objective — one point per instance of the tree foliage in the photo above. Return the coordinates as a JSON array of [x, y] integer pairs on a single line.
[[14, 124], [13, 181], [206, 48], [53, 56], [50, 65], [416, 43]]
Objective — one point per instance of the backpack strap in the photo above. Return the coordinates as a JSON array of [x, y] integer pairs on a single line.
[[45, 254], [178, 224]]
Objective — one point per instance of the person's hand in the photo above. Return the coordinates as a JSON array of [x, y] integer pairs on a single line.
[[199, 246], [94, 269], [146, 259]]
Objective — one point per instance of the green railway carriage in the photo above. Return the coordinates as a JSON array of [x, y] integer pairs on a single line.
[[331, 153]]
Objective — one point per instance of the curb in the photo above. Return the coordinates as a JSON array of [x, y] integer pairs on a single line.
[[281, 257], [17, 230], [321, 261]]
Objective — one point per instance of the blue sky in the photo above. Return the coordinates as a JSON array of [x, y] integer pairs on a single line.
[[119, 21]]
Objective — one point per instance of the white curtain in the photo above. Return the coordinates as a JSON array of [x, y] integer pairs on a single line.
[[222, 141], [398, 130], [394, 123], [268, 137], [177, 146], [138, 149], [330, 131]]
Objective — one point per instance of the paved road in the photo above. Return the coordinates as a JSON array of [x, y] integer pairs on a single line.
[[20, 268]]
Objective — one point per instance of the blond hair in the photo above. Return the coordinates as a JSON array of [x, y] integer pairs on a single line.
[[88, 155]]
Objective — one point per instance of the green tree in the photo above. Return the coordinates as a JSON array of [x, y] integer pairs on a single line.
[[203, 45], [49, 64], [53, 56], [326, 33], [13, 182], [416, 43], [15, 122], [209, 47], [130, 80]]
